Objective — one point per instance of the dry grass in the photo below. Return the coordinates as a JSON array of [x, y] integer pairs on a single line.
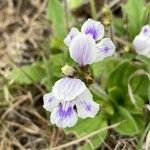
[[23, 127], [23, 25]]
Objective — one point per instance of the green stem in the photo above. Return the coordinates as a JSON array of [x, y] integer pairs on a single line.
[[66, 15], [93, 9]]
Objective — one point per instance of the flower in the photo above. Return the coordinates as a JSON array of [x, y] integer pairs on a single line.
[[83, 50], [69, 100], [141, 42], [83, 46]]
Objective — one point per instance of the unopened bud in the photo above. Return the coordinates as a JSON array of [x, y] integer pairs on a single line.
[[126, 48], [106, 13], [68, 70], [106, 22], [106, 10]]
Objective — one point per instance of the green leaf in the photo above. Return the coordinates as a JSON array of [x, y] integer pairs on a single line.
[[88, 126], [141, 122], [100, 96], [55, 13], [57, 61], [134, 108], [103, 69], [137, 14], [139, 83], [119, 76], [116, 95], [98, 91], [57, 44], [27, 74], [53, 69], [118, 26], [145, 60], [128, 125], [148, 6]]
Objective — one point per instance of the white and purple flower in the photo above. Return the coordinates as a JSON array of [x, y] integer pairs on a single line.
[[83, 46], [142, 42], [69, 100]]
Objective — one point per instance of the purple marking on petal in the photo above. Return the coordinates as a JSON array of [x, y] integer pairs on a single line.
[[145, 30], [73, 32], [71, 37], [91, 31], [105, 49], [83, 49], [50, 98], [65, 113], [87, 106]]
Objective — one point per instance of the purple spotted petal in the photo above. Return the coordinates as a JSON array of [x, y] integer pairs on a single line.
[[50, 102], [73, 32], [94, 29], [86, 107], [142, 45], [67, 89], [145, 31], [105, 48], [83, 50], [64, 116]]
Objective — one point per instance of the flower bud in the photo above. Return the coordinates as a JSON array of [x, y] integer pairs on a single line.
[[68, 70], [106, 13]]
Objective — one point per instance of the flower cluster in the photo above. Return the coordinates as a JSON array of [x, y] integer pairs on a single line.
[[70, 98], [142, 42], [84, 46]]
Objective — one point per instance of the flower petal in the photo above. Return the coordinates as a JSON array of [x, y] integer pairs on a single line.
[[86, 107], [93, 28], [142, 45], [50, 102], [105, 48], [64, 116], [73, 32], [83, 50], [145, 31], [68, 88]]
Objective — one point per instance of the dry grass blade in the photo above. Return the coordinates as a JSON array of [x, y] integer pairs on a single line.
[[18, 129], [84, 137], [147, 145], [22, 100]]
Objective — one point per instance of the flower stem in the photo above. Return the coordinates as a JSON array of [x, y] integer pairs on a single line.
[[93, 9], [66, 15]]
